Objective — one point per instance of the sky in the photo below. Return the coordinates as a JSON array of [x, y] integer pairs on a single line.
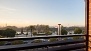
[[47, 12]]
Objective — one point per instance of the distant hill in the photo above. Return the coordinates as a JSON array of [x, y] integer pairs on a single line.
[[51, 28], [68, 28]]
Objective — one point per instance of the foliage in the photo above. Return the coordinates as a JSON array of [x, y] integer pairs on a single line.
[[9, 33], [31, 28], [17, 42], [34, 33], [39, 34], [26, 34], [46, 29], [82, 37], [2, 42], [48, 33], [37, 41], [63, 32], [17, 34], [22, 31], [39, 27], [57, 33], [1, 32], [27, 31], [77, 31], [52, 39], [76, 37], [65, 39], [1, 36], [83, 32]]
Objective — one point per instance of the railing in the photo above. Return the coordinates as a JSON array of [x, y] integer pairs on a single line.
[[64, 45], [89, 42]]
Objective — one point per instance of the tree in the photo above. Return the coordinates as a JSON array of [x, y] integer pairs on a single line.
[[9, 33], [63, 32], [34, 33], [52, 39], [46, 28], [17, 34], [57, 33], [27, 29], [48, 33], [76, 37], [83, 32], [37, 41], [22, 31], [65, 39], [31, 28], [26, 34], [77, 31], [17, 42], [1, 32], [2, 42]]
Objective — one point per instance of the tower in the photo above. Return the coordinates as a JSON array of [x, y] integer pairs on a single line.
[[59, 29]]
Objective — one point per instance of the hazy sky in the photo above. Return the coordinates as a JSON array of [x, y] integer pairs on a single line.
[[50, 12]]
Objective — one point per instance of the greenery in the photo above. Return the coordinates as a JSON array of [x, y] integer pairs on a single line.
[[48, 33], [37, 41], [52, 39], [63, 32], [76, 37], [39, 34], [22, 31], [1, 32], [65, 39], [17, 34], [34, 33], [46, 29], [17, 42], [27, 29], [40, 27], [77, 31], [83, 32], [9, 33], [2, 42], [1, 36], [57, 33], [26, 34], [31, 28]]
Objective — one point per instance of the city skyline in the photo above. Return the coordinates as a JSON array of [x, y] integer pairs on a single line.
[[42, 24], [48, 12]]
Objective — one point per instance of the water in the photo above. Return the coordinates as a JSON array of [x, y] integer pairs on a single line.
[[29, 34], [23, 32]]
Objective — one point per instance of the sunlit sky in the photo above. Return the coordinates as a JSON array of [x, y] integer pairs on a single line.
[[48, 12]]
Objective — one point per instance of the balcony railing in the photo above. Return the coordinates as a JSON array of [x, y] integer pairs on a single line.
[[63, 45]]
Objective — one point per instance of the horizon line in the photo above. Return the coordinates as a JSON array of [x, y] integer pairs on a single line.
[[48, 25]]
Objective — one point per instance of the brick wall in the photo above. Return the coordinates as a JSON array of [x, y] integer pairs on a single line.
[[89, 16], [89, 22]]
